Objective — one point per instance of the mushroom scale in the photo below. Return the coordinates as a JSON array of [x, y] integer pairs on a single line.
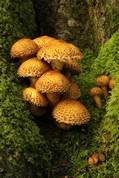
[[24, 48], [32, 68], [71, 112], [52, 82], [33, 96]]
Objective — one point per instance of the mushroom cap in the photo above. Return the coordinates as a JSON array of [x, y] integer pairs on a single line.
[[60, 51], [73, 67], [112, 83], [95, 91], [32, 68], [71, 112], [33, 96], [73, 92], [24, 48], [53, 98], [102, 80], [44, 40], [52, 82]]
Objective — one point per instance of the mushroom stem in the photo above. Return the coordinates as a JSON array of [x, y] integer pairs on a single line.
[[63, 126], [32, 81], [105, 91], [97, 101], [38, 111]]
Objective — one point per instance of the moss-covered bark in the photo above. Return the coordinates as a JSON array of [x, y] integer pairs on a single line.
[[87, 23], [23, 150]]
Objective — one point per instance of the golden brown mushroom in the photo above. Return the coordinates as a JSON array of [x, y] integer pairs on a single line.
[[60, 53], [32, 68], [96, 92], [73, 92], [71, 112], [44, 40], [112, 83], [24, 48], [52, 82], [103, 81], [34, 97]]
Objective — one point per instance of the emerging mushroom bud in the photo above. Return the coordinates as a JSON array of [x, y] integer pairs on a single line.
[[93, 159], [103, 82], [96, 92], [112, 83]]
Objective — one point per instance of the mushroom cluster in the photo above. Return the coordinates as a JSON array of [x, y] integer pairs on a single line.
[[48, 63], [104, 85]]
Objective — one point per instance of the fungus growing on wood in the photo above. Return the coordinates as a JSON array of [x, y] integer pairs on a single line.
[[34, 97], [103, 82], [24, 48], [71, 112], [96, 92], [32, 68], [52, 82]]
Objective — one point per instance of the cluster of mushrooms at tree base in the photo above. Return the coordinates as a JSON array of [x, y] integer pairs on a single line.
[[48, 63]]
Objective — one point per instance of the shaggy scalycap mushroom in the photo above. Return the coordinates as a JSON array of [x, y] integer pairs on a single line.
[[52, 82], [24, 48], [34, 97], [32, 68], [59, 53], [71, 112]]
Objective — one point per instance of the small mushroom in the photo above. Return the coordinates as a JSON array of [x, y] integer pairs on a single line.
[[34, 97], [103, 82], [96, 92], [71, 112], [32, 68], [93, 159], [52, 82], [24, 48], [74, 91], [112, 83], [53, 98], [38, 111]]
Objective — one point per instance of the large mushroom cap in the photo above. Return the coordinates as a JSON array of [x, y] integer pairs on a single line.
[[95, 91], [60, 51], [52, 81], [24, 48], [44, 40], [32, 68], [102, 80], [71, 112], [33, 96]]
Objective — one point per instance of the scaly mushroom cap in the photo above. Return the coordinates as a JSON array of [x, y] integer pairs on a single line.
[[95, 91], [44, 40], [112, 83], [33, 96], [51, 82], [73, 92], [53, 98], [102, 80], [24, 48], [32, 68], [60, 51], [71, 112]]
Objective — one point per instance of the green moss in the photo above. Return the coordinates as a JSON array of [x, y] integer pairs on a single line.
[[23, 150]]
